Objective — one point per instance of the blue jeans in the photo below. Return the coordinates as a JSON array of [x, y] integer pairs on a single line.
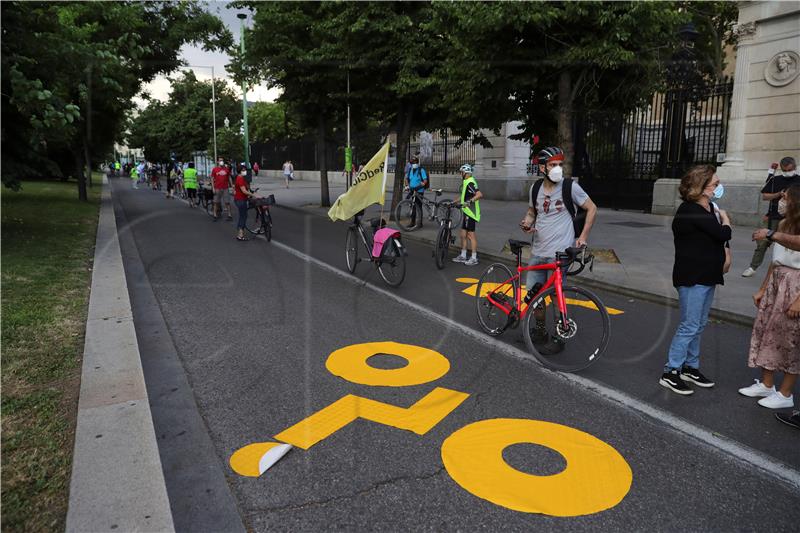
[[695, 303], [532, 277], [241, 205]]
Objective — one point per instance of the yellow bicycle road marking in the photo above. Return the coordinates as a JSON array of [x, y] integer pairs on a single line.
[[487, 287], [424, 365], [596, 477], [419, 418]]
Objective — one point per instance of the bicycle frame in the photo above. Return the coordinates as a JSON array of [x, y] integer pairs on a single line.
[[557, 279], [366, 239]]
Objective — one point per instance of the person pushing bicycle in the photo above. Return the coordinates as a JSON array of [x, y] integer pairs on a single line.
[[551, 218], [417, 181]]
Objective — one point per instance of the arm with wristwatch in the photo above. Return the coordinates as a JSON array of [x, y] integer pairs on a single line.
[[787, 240]]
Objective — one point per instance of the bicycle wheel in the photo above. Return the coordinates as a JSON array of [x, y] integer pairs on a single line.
[[442, 246], [500, 284], [404, 213], [267, 225], [576, 345], [351, 249], [210, 208], [253, 224], [392, 265]]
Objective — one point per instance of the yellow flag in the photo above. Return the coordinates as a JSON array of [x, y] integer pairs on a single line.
[[369, 187]]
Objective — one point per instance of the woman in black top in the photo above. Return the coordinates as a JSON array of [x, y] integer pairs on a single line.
[[700, 236]]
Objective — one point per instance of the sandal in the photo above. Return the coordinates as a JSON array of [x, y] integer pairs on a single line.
[[242, 238]]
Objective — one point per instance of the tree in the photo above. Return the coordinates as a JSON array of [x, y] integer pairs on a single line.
[[547, 60], [269, 121], [184, 123], [70, 70]]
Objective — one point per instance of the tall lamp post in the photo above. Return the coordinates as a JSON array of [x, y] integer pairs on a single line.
[[242, 17], [213, 104]]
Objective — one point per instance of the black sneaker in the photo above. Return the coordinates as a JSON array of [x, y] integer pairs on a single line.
[[789, 419], [693, 375], [672, 381]]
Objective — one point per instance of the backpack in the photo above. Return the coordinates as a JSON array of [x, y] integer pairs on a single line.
[[578, 215]]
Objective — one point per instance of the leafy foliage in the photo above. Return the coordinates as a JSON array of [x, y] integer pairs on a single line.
[[70, 70]]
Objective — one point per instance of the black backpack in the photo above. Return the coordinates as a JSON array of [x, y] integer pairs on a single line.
[[578, 214]]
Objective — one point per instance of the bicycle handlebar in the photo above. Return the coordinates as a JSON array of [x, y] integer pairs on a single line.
[[576, 255]]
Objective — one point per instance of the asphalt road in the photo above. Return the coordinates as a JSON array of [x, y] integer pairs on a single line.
[[235, 338]]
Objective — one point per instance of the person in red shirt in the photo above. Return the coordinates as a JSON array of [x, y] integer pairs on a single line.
[[241, 193], [221, 178]]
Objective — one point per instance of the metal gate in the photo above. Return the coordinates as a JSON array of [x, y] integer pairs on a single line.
[[619, 157]]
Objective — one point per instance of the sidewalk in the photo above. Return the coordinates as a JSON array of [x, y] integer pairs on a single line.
[[642, 243]]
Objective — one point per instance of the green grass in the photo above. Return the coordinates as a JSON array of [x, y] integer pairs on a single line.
[[47, 250]]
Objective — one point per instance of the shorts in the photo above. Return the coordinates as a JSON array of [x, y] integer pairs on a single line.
[[170, 184], [222, 196], [468, 223], [192, 193]]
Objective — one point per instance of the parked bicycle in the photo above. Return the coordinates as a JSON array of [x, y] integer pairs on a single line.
[[381, 247], [259, 218], [445, 238], [407, 217], [565, 327]]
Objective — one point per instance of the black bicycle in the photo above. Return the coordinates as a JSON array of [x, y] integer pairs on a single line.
[[390, 260], [445, 238], [409, 212], [259, 218]]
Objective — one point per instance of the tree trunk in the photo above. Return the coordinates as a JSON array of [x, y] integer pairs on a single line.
[[82, 196], [88, 138], [405, 116], [322, 158], [88, 159], [565, 108]]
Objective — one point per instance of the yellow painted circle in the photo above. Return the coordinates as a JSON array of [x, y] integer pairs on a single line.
[[596, 478], [246, 461], [424, 365]]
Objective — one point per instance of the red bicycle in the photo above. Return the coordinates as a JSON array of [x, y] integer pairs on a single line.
[[565, 327]]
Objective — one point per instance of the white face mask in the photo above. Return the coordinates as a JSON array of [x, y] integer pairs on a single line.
[[556, 174], [415, 166], [221, 163], [782, 207]]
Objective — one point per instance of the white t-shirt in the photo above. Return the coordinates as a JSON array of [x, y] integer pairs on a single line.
[[554, 230], [783, 256]]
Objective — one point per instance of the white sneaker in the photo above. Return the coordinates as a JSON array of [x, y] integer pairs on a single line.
[[776, 400], [748, 272], [459, 259], [757, 390], [472, 261]]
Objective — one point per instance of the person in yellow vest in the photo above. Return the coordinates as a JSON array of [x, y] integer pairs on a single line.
[[190, 184], [134, 177], [471, 206]]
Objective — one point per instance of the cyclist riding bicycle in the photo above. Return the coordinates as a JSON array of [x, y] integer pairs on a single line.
[[417, 181], [550, 219]]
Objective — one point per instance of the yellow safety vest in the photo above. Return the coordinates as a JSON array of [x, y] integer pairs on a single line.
[[475, 215]]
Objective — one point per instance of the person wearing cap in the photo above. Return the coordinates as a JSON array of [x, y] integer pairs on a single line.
[[416, 181]]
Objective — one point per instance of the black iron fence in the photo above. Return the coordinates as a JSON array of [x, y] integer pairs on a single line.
[[619, 157], [441, 152]]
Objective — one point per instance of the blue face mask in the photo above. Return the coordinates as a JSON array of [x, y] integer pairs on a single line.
[[719, 191]]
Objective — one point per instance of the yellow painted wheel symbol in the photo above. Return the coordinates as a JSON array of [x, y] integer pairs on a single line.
[[424, 365], [596, 477]]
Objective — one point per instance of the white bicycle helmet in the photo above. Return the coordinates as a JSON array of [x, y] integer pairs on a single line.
[[466, 168]]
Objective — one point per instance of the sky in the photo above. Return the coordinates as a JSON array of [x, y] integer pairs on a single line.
[[194, 55]]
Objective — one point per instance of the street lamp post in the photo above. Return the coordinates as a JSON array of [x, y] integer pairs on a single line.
[[213, 105], [242, 17]]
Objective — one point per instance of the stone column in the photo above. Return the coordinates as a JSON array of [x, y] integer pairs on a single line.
[[733, 168], [515, 158]]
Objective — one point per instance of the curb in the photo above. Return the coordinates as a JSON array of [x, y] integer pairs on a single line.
[[716, 314], [117, 481]]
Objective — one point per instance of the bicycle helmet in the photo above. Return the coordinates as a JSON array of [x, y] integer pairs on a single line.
[[551, 153], [466, 168]]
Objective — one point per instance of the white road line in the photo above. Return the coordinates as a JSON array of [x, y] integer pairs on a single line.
[[742, 453]]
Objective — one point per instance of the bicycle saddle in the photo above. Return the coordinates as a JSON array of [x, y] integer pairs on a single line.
[[516, 245], [437, 191]]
